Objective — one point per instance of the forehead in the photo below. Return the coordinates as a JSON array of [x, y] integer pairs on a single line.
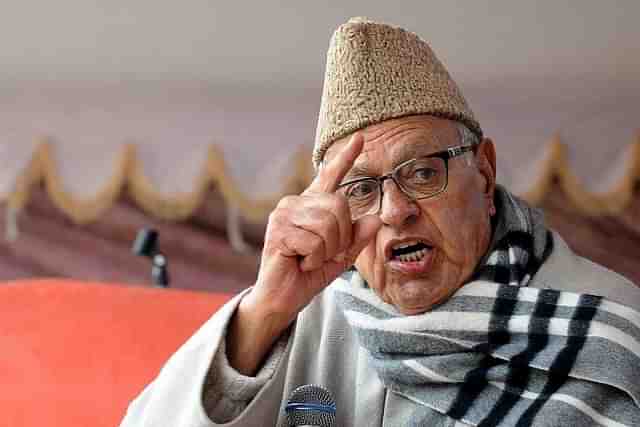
[[393, 141]]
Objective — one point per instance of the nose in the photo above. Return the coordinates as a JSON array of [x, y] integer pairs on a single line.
[[397, 208]]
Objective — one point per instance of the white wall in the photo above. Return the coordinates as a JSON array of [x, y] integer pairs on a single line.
[[284, 42]]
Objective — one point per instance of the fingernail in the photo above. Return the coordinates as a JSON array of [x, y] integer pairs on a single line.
[[340, 257]]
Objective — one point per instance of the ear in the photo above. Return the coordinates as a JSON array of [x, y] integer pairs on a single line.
[[486, 161]]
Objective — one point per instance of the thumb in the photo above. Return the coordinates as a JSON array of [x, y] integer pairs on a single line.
[[364, 230]]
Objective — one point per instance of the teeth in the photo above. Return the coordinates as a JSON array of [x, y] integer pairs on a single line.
[[413, 256], [406, 244]]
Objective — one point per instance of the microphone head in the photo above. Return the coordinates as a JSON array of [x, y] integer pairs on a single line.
[[311, 405], [146, 243]]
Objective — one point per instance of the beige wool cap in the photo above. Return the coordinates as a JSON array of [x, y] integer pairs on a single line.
[[377, 72]]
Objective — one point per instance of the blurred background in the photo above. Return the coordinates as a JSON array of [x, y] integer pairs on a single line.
[[196, 117]]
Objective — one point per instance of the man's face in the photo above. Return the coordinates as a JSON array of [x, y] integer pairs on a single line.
[[453, 227]]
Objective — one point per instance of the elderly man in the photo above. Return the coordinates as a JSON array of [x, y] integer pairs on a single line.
[[406, 282]]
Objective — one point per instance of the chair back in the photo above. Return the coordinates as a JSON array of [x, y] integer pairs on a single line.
[[76, 353]]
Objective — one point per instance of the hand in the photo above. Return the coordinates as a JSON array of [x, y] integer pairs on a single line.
[[310, 240]]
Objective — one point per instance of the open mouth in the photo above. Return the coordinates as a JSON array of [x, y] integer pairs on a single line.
[[410, 252]]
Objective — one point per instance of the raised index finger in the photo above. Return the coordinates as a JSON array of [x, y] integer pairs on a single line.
[[330, 175]]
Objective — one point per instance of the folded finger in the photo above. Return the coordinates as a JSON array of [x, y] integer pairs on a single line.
[[321, 222], [305, 245]]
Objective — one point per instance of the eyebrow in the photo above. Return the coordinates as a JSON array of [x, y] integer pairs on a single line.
[[358, 171], [410, 151]]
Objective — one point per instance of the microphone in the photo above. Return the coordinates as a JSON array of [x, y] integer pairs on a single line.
[[311, 405], [146, 244]]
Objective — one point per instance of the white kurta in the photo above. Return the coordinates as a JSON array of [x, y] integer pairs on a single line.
[[322, 350]]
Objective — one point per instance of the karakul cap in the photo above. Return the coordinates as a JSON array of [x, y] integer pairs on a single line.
[[377, 72]]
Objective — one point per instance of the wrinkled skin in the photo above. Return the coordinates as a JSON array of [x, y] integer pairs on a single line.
[[456, 222], [311, 239]]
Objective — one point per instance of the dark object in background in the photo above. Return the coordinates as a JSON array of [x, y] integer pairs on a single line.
[[146, 244]]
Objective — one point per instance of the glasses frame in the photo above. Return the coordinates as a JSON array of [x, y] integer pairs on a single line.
[[445, 155]]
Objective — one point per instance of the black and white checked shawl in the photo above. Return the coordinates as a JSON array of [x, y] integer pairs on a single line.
[[498, 354]]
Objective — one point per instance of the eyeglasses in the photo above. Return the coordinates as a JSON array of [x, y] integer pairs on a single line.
[[418, 178]]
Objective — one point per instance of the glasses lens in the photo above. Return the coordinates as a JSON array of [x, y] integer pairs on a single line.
[[423, 177], [362, 197]]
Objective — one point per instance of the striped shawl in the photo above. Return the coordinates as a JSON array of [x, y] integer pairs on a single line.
[[498, 353]]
